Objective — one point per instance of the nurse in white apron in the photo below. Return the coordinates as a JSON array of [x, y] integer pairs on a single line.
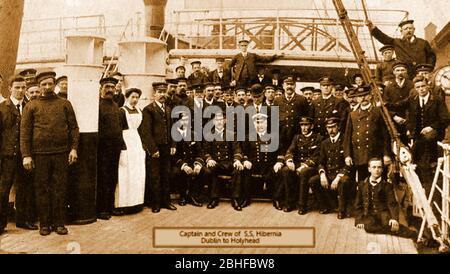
[[130, 189]]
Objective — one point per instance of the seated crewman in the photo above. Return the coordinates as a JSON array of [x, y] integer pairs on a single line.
[[376, 209], [188, 165], [258, 160], [222, 157], [301, 164], [333, 175]]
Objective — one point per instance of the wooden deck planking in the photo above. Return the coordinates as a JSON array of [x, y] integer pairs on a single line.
[[133, 233]]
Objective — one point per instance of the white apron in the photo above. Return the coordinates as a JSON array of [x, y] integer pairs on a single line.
[[130, 189]]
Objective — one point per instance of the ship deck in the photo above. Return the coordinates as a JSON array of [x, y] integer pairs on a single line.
[[133, 233]]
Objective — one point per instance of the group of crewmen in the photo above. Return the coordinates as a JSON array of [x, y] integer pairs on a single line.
[[333, 140]]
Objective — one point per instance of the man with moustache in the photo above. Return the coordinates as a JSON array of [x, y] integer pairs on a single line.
[[221, 75], [155, 131], [180, 97], [328, 105], [409, 49], [110, 144], [365, 135], [49, 137], [292, 106], [301, 160], [11, 160], [197, 77], [307, 92], [240, 96]]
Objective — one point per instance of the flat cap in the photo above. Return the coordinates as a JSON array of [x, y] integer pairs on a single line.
[[331, 121], [304, 120], [362, 91], [28, 73], [386, 47], [159, 85], [256, 90], [244, 41], [288, 79], [61, 78], [402, 23], [424, 67], [400, 64], [45, 75], [326, 80], [108, 80], [308, 88], [196, 62]]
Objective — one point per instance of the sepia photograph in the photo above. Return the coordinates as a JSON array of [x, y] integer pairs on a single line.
[[214, 128]]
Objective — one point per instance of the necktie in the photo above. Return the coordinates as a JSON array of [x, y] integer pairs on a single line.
[[18, 107], [162, 108], [422, 102]]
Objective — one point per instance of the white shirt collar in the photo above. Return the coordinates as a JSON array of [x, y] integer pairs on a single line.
[[160, 105], [365, 107], [289, 98], [15, 101], [129, 106], [334, 140], [412, 39], [401, 83], [426, 98], [209, 102], [182, 131], [327, 97], [355, 107], [219, 132], [268, 103], [373, 180]]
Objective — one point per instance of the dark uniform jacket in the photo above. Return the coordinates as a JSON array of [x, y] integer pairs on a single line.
[[155, 128], [222, 151], [365, 136], [188, 152], [200, 79], [289, 115], [9, 128], [262, 161], [111, 123], [394, 94], [48, 126], [384, 71], [214, 77], [249, 61], [417, 52], [264, 81], [434, 114], [374, 200], [324, 108], [305, 150], [331, 157]]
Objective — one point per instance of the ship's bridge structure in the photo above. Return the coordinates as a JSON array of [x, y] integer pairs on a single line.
[[312, 40], [310, 36]]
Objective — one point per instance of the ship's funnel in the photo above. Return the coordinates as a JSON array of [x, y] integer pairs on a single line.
[[154, 17]]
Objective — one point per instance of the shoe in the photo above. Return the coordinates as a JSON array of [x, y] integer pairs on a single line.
[[236, 205], [182, 202], [28, 226], [118, 212], [324, 211], [302, 211], [194, 202], [341, 215], [61, 230], [245, 203], [213, 203], [104, 216], [287, 209], [277, 205], [45, 231], [156, 209], [169, 206]]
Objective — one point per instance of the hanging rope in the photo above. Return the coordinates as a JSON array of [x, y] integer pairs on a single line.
[[366, 14]]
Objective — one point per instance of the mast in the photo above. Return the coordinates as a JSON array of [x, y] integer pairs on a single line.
[[401, 152]]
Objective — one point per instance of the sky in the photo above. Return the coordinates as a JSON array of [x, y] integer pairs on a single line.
[[423, 11]]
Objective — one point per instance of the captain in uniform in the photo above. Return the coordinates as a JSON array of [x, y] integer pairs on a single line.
[[302, 158]]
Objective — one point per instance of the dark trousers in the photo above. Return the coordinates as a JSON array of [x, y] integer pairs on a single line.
[[187, 185], [224, 168], [50, 182], [13, 171], [326, 198], [158, 184], [108, 172], [295, 187], [267, 175], [378, 223]]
